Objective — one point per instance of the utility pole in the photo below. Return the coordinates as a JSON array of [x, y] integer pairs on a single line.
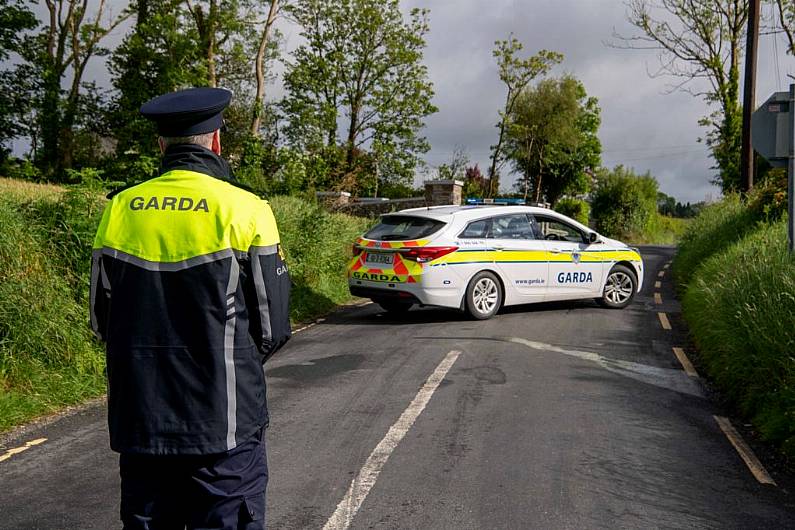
[[747, 165]]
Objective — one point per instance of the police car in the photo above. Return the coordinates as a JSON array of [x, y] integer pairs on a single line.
[[480, 258]]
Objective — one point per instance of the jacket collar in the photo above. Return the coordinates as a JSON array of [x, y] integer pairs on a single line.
[[196, 158]]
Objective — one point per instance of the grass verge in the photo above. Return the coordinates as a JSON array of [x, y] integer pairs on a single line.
[[318, 246], [738, 281], [48, 357]]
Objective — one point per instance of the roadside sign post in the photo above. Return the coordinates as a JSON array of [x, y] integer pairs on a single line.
[[791, 170], [773, 137]]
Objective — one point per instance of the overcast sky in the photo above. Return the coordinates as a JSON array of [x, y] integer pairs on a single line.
[[643, 126]]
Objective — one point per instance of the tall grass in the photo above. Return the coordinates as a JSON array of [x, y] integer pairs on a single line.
[[317, 246], [740, 305], [660, 230], [716, 228], [48, 357]]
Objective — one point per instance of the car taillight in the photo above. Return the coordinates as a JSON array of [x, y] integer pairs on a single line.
[[356, 250], [425, 254]]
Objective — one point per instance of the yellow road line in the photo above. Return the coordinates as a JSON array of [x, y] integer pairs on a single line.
[[661, 274], [16, 450], [664, 320], [657, 298], [657, 285], [746, 453], [685, 362]]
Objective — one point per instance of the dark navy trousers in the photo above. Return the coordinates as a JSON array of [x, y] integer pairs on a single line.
[[223, 491]]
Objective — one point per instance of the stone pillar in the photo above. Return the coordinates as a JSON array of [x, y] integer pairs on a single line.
[[333, 199], [442, 192]]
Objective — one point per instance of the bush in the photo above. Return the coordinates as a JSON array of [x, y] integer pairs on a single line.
[[740, 305], [768, 199], [624, 204], [577, 209]]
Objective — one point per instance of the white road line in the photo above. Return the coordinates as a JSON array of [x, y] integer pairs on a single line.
[[661, 274], [365, 480], [667, 265], [685, 362], [666, 324], [657, 285], [746, 453], [657, 298], [16, 450]]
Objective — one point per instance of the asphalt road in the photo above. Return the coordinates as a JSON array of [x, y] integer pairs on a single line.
[[560, 415]]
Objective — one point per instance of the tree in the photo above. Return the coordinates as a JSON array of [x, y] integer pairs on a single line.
[[16, 19], [265, 43], [456, 167], [184, 43], [70, 38], [160, 55], [785, 10], [700, 40], [570, 166], [516, 73], [360, 67], [551, 137], [475, 183]]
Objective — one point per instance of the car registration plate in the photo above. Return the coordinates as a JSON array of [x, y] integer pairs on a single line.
[[380, 258]]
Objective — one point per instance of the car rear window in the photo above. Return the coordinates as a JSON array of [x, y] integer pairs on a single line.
[[403, 228]]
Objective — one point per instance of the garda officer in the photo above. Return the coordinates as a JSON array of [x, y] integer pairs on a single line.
[[190, 294]]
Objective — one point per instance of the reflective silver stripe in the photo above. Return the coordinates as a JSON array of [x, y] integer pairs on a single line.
[[263, 251], [95, 260], [157, 266], [229, 359], [262, 295]]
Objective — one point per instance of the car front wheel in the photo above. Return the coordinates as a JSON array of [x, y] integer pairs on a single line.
[[619, 288], [483, 296]]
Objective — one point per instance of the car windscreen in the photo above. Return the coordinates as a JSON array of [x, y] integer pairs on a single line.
[[403, 228]]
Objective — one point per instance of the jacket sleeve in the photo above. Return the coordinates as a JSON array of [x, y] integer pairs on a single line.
[[99, 291], [269, 285]]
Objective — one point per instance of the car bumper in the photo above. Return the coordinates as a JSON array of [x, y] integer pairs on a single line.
[[417, 293]]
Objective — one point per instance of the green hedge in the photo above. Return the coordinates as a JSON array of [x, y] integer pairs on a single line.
[[739, 301], [317, 245]]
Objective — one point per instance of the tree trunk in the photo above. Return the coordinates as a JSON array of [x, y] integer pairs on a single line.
[[259, 99], [351, 145], [212, 20]]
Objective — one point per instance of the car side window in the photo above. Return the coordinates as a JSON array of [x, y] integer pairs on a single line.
[[555, 230], [476, 229], [514, 226]]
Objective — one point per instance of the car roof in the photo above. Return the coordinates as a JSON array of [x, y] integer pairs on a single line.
[[445, 213]]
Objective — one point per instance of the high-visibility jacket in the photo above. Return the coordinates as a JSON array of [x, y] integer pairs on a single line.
[[191, 294]]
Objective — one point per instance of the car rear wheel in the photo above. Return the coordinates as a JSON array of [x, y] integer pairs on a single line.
[[619, 288], [483, 296], [394, 306]]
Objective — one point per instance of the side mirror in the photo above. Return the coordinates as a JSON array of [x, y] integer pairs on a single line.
[[593, 237]]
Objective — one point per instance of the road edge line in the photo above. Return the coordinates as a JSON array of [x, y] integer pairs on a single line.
[[666, 324], [744, 450], [685, 362], [364, 481]]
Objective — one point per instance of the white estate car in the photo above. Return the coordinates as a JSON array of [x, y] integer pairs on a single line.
[[480, 258]]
